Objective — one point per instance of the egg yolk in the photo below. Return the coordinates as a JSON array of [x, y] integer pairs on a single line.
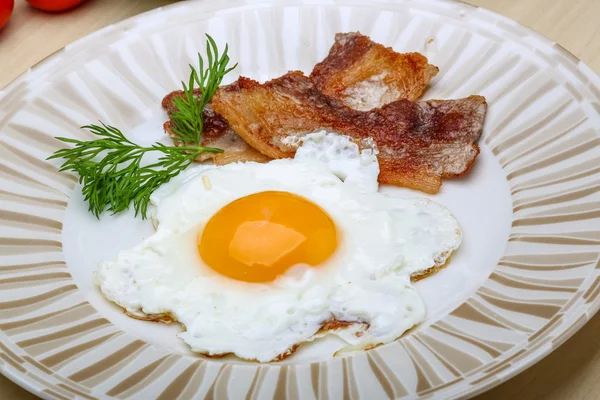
[[258, 237]]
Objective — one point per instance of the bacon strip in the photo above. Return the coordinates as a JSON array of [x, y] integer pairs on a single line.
[[419, 143], [357, 70], [217, 133], [365, 75]]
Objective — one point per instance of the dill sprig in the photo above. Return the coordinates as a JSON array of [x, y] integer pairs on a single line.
[[111, 168], [188, 123], [119, 177]]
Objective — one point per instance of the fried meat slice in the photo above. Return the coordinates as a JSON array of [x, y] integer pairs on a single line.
[[217, 133], [361, 73], [365, 75], [419, 143]]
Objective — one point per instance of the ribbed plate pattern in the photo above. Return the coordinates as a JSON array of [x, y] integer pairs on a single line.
[[542, 128]]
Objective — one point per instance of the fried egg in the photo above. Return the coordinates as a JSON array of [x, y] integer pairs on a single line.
[[254, 259]]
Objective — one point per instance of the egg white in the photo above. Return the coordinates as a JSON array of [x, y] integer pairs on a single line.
[[383, 241]]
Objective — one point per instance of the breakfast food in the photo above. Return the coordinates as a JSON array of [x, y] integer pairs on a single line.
[[419, 143], [255, 259], [286, 237], [359, 72], [366, 75], [216, 133]]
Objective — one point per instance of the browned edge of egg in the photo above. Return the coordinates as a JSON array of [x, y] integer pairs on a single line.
[[328, 326]]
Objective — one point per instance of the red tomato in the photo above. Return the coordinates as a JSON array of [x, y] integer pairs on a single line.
[[54, 5], [6, 8]]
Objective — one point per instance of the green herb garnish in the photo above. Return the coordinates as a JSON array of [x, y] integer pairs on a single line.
[[187, 120], [110, 168]]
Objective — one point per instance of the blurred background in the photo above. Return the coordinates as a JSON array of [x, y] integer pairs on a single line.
[[31, 34]]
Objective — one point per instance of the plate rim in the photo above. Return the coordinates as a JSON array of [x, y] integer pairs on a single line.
[[538, 354]]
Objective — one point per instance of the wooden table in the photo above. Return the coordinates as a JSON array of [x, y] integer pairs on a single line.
[[570, 372]]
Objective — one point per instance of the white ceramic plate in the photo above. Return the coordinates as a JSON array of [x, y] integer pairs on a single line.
[[526, 278]]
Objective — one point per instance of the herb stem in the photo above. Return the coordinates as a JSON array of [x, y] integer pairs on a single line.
[[110, 167]]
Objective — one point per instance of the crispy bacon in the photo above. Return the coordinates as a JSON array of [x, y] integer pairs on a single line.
[[217, 133], [365, 75], [358, 71], [419, 143]]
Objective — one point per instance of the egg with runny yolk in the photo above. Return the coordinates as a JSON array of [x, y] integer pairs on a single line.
[[258, 237]]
